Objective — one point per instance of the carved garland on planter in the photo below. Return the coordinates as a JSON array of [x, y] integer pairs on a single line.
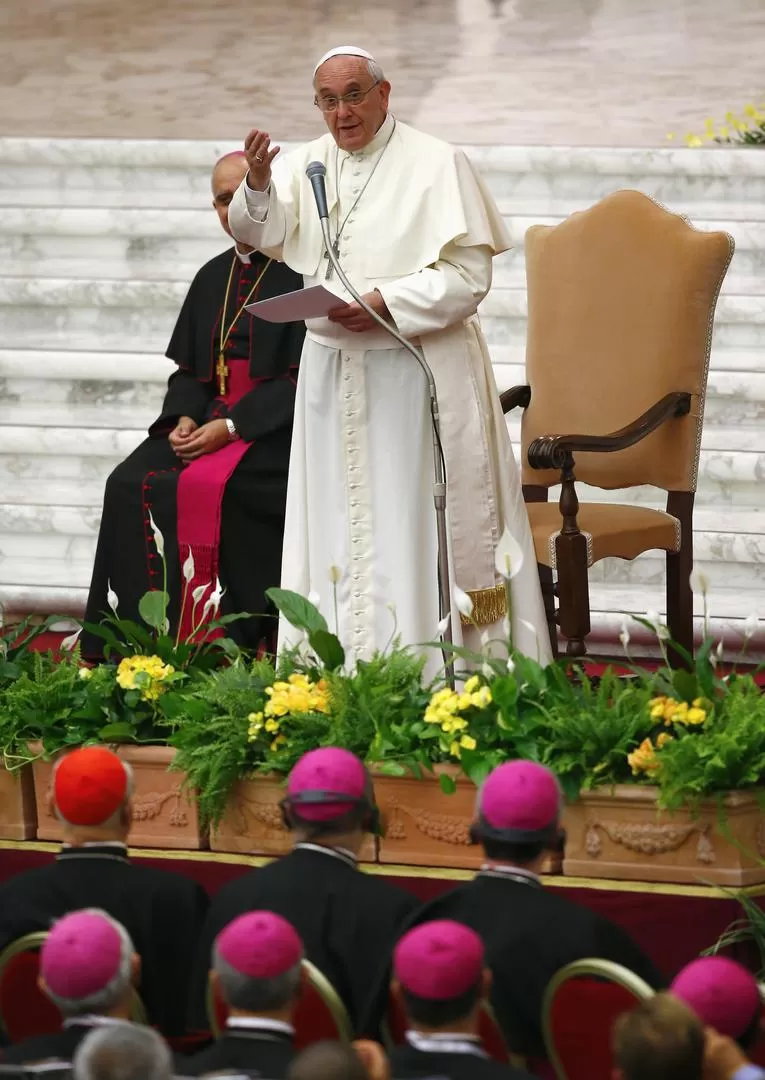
[[446, 828], [268, 817], [648, 839], [149, 806]]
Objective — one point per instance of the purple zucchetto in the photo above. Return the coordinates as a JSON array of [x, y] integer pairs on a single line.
[[519, 803], [326, 784], [260, 945], [81, 955], [439, 960], [722, 993]]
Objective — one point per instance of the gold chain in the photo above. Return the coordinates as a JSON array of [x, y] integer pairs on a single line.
[[221, 369]]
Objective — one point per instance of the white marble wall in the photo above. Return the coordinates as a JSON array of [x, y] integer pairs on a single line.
[[99, 239]]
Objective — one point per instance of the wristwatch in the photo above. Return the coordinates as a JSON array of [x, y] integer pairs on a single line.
[[232, 432]]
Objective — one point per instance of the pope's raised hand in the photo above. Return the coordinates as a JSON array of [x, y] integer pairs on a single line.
[[259, 154]]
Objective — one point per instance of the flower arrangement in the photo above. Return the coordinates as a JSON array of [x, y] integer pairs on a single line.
[[745, 130], [146, 674]]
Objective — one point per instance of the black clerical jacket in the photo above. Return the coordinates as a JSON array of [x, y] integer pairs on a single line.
[[529, 933], [60, 1045], [162, 911], [271, 349], [263, 1051], [407, 1063], [348, 920]]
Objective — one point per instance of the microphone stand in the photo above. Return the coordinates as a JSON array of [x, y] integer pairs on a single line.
[[439, 464]]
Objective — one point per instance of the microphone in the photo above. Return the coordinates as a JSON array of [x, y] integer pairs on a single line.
[[316, 172]]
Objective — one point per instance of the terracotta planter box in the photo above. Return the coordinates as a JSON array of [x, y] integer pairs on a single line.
[[252, 823], [18, 813], [163, 816], [620, 833], [425, 827]]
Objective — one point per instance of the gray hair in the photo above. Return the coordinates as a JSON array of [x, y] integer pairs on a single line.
[[115, 990], [374, 69], [255, 995], [123, 1051], [116, 818]]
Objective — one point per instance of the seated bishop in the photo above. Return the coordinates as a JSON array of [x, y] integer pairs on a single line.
[[212, 476]]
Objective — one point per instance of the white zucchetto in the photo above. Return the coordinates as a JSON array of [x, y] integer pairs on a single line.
[[343, 50]]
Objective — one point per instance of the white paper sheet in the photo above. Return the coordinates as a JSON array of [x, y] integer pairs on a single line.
[[295, 306]]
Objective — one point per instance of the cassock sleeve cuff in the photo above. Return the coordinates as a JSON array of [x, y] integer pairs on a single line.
[[257, 201]]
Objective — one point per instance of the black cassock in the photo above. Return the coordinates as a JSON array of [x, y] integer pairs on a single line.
[[407, 1063], [529, 933], [252, 512], [60, 1045], [163, 912], [348, 920], [266, 1052]]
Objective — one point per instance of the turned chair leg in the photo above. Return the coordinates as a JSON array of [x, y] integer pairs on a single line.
[[548, 596], [679, 567], [573, 592]]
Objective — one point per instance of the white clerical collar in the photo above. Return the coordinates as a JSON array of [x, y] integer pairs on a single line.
[[446, 1042], [341, 853], [260, 1023], [244, 257], [94, 1020], [512, 873], [383, 134], [96, 843]]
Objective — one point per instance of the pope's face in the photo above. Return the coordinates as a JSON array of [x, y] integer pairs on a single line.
[[351, 126]]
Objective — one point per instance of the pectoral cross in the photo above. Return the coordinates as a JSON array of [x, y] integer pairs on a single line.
[[330, 267], [221, 372]]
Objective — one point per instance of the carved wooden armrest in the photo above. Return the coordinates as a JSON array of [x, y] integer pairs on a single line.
[[514, 398], [553, 451]]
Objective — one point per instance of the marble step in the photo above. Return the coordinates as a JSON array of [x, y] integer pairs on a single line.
[[554, 172]]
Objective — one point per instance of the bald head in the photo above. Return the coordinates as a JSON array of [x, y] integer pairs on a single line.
[[227, 175]]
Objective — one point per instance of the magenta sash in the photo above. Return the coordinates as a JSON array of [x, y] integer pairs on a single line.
[[201, 486]]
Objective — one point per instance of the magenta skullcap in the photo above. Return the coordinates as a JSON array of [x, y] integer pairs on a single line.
[[260, 944], [325, 784], [439, 960], [81, 955], [519, 803], [722, 993]]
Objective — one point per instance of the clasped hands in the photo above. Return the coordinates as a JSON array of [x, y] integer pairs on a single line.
[[190, 441]]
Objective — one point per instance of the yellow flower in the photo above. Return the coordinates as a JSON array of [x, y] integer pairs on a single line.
[[643, 759], [657, 712], [454, 749], [150, 666], [278, 741], [693, 141], [254, 717], [695, 716], [481, 698], [724, 131], [472, 684], [709, 126], [663, 739], [272, 726], [669, 711], [468, 742], [752, 111]]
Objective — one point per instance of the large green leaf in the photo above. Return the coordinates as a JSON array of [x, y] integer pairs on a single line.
[[152, 607], [448, 784], [298, 611], [328, 649], [116, 732]]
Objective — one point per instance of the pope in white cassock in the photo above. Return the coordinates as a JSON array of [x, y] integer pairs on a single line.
[[416, 231]]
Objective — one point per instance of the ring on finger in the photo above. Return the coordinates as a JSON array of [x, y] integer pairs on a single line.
[[259, 158]]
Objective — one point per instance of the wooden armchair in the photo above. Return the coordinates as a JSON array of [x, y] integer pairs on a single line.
[[621, 302]]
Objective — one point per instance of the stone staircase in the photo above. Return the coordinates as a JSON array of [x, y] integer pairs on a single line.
[[99, 240]]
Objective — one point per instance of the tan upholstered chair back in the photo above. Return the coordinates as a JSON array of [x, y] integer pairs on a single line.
[[621, 302]]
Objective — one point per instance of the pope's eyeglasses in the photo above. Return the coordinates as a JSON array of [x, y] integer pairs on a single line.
[[329, 103]]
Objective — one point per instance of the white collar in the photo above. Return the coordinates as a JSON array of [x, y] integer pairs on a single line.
[[96, 843], [94, 1020], [341, 853], [446, 1042], [260, 1023], [244, 257], [513, 873], [378, 142]]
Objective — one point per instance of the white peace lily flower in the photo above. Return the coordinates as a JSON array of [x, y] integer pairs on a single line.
[[69, 643], [529, 626], [213, 601], [751, 626], [506, 628], [699, 582], [198, 593], [652, 617], [159, 539], [510, 665], [111, 597], [188, 567], [508, 558], [624, 636], [720, 649], [443, 625], [463, 602], [335, 574], [314, 598], [487, 671]]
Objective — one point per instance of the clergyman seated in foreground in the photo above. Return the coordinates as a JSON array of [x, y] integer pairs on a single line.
[[88, 968], [440, 978], [524, 926], [213, 472], [124, 1052], [724, 996], [256, 971], [348, 921]]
